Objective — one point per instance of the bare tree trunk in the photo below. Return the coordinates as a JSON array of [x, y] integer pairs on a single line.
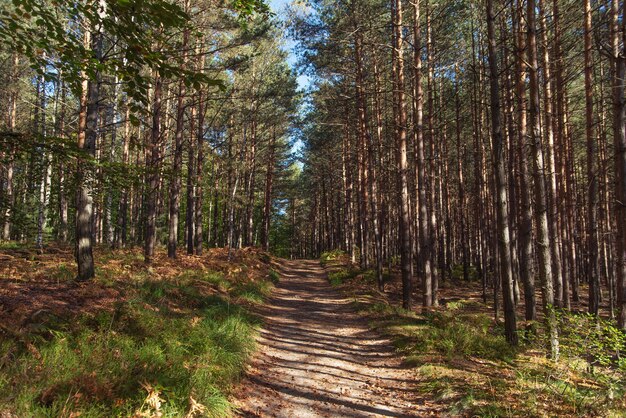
[[549, 128], [175, 181], [122, 214], [199, 171], [525, 228], [401, 155], [592, 196], [9, 197], [424, 249], [506, 273], [44, 185], [87, 134], [560, 141], [153, 167], [267, 202], [190, 223], [619, 138], [63, 204], [541, 215]]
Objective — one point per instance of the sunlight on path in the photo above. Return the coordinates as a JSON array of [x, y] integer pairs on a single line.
[[316, 358]]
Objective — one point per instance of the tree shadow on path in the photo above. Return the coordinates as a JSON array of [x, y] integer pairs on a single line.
[[318, 358]]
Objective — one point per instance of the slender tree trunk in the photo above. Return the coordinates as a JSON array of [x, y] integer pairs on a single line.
[[190, 222], [592, 191], [619, 138], [199, 201], [424, 248], [153, 168], [541, 215], [267, 201], [63, 204], [506, 273], [12, 119], [401, 155], [87, 134], [175, 181], [525, 227]]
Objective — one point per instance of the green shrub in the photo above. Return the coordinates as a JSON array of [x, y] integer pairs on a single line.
[[273, 276], [331, 256], [587, 336], [337, 278], [457, 272]]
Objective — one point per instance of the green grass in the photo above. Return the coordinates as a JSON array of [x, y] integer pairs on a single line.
[[11, 245], [273, 276], [329, 256], [167, 347], [337, 278], [253, 291], [464, 362]]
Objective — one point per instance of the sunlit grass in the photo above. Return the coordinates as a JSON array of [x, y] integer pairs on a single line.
[[168, 348], [465, 365]]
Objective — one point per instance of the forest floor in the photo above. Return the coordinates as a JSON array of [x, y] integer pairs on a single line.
[[463, 365], [168, 339], [318, 358]]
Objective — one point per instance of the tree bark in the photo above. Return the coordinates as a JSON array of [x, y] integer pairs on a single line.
[[541, 216], [592, 191], [404, 231], [619, 139], [506, 273], [153, 168]]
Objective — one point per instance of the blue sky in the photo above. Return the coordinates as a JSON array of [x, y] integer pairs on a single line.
[[278, 7]]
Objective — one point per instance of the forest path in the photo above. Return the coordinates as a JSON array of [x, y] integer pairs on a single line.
[[317, 358]]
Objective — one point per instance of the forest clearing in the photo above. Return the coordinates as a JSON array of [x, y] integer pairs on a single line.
[[312, 208]]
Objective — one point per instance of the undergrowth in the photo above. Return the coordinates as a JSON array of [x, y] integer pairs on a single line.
[[337, 278], [170, 347], [330, 256], [464, 363]]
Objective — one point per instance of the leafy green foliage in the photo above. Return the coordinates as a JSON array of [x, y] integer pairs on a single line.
[[599, 341], [274, 276], [53, 37], [333, 255], [337, 278]]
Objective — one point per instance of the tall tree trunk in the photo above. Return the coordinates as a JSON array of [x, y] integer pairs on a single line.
[[267, 201], [63, 204], [619, 138], [401, 155], [541, 215], [175, 181], [154, 168], [525, 226], [424, 248], [199, 172], [44, 185], [506, 273], [190, 222], [549, 128], [12, 119], [592, 191], [561, 141], [87, 134]]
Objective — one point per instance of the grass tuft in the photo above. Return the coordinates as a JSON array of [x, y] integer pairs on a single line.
[[170, 347]]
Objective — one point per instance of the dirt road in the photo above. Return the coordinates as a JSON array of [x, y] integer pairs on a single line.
[[317, 358]]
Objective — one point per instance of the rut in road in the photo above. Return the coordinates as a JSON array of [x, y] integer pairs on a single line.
[[317, 358]]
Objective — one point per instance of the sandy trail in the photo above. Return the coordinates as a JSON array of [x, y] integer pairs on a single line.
[[317, 358]]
